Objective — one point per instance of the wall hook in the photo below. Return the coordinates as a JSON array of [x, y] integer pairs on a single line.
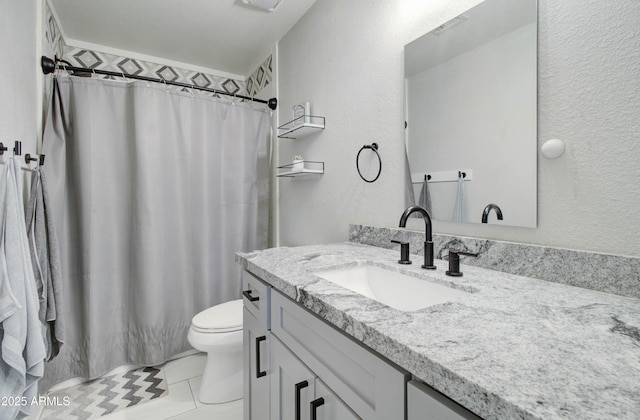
[[29, 159], [17, 148], [3, 148]]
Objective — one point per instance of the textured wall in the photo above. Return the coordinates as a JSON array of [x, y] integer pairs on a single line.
[[19, 74], [346, 58]]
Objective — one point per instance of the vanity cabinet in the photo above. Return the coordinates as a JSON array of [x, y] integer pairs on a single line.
[[299, 367], [256, 343]]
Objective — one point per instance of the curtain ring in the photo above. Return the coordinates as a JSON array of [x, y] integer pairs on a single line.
[[374, 147]]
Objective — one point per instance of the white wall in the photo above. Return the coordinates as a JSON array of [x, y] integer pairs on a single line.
[[20, 75], [346, 58]]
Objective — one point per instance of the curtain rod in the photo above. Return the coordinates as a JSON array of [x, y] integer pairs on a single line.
[[49, 66]]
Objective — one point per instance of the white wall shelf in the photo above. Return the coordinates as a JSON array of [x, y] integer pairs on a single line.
[[309, 168], [302, 126]]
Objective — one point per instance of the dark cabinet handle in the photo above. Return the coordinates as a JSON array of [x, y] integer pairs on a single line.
[[259, 372], [314, 407], [299, 387], [247, 294]]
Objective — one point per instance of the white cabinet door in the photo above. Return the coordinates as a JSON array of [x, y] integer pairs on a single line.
[[292, 384], [256, 368], [327, 406]]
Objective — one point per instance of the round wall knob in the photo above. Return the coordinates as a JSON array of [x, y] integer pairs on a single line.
[[553, 149]]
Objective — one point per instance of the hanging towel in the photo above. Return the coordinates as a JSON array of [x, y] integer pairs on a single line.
[[45, 259], [409, 195], [9, 305], [22, 349], [425, 197], [459, 212]]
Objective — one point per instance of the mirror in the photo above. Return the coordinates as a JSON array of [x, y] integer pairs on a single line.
[[471, 109]]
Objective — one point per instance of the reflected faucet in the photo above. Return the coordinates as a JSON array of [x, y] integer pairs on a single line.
[[487, 210], [428, 243]]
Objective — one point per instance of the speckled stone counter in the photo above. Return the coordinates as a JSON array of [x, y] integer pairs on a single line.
[[608, 273], [515, 347]]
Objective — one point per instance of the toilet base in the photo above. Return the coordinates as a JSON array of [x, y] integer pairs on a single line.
[[222, 378]]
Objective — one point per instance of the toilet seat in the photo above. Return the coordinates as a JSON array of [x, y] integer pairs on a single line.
[[226, 317]]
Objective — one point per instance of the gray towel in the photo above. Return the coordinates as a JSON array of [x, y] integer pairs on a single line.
[[45, 257], [460, 209], [22, 349], [409, 196], [425, 197]]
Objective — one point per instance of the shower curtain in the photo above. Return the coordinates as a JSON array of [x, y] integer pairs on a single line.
[[153, 192]]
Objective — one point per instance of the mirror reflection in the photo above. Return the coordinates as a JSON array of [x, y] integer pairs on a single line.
[[471, 113]]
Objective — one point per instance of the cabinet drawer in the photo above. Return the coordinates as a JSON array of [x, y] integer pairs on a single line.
[[256, 296], [370, 385], [425, 403]]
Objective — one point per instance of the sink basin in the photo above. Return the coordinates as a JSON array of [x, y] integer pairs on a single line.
[[394, 289]]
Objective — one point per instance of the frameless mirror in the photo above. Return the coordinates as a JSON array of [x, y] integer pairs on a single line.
[[471, 111]]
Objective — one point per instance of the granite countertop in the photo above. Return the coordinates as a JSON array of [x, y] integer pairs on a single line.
[[515, 347]]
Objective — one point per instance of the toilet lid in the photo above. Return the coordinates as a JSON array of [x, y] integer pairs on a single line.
[[220, 318]]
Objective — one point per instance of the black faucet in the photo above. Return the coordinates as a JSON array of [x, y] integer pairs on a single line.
[[487, 210], [428, 243]]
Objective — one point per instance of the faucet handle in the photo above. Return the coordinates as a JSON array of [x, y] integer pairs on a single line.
[[404, 252], [454, 262]]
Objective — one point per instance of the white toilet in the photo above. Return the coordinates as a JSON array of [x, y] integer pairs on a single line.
[[218, 332]]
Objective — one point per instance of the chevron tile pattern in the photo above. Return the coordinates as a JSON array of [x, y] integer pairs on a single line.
[[107, 395]]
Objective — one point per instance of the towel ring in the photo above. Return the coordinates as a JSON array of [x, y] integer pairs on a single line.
[[374, 147]]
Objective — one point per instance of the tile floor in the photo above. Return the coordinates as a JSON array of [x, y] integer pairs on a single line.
[[183, 378]]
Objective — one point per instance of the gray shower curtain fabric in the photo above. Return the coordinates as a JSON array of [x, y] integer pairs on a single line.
[[153, 191]]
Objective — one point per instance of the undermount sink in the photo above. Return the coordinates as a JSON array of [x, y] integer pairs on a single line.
[[392, 288]]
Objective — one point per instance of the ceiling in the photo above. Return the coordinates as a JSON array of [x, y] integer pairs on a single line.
[[220, 35]]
